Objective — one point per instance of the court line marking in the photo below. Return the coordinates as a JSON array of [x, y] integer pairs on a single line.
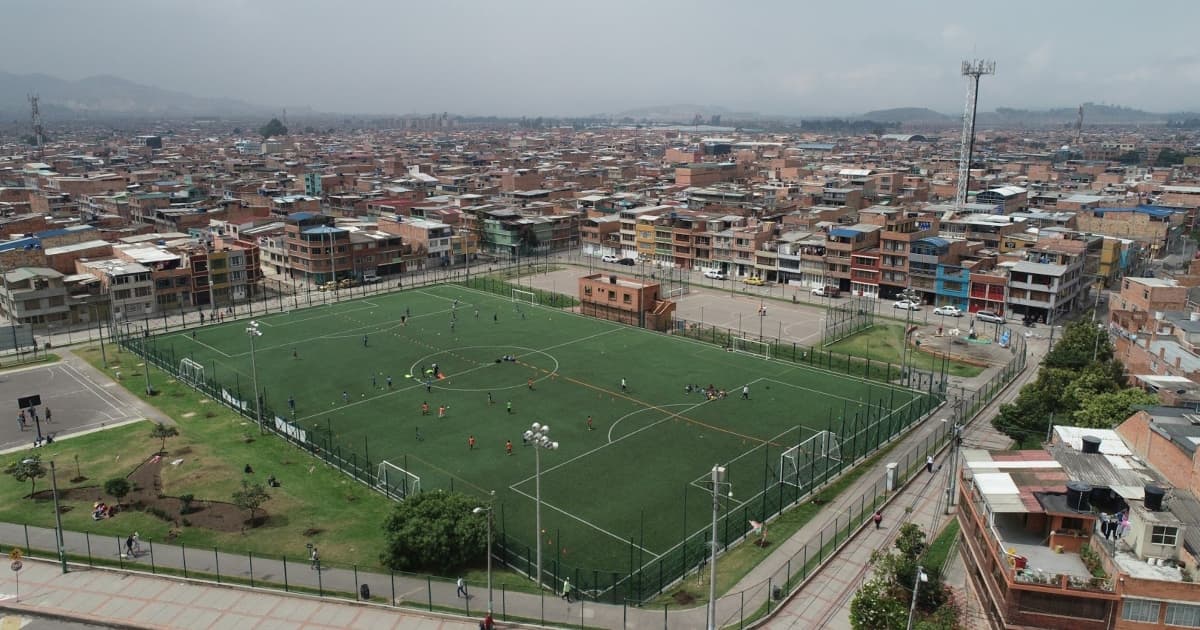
[[634, 413], [585, 522]]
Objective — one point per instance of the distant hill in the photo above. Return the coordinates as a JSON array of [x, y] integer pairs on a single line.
[[1093, 114], [110, 96], [909, 115]]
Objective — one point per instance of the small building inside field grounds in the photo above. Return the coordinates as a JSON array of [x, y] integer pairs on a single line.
[[626, 300]]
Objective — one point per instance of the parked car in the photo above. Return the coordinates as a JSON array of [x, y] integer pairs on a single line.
[[826, 291], [948, 311], [328, 286], [907, 305], [714, 274], [629, 262], [609, 258], [989, 317], [754, 281], [346, 283]]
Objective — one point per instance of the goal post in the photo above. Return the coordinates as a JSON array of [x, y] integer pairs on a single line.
[[395, 482], [519, 295], [806, 461], [191, 372], [752, 346]]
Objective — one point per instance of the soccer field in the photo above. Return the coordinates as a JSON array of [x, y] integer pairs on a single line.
[[616, 496]]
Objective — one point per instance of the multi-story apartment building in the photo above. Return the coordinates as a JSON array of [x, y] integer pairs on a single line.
[[128, 283], [35, 295], [601, 235], [901, 228], [169, 271], [1028, 516], [1148, 224], [841, 244]]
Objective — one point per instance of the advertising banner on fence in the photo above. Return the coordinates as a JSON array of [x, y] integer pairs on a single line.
[[291, 430], [232, 400]]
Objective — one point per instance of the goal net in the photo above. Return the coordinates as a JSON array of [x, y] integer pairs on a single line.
[[752, 346], [524, 296], [677, 292], [191, 372], [809, 460], [395, 482]]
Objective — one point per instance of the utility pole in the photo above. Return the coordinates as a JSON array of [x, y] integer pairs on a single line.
[[952, 478]]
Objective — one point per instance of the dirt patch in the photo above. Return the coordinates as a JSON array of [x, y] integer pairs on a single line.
[[683, 598], [147, 496]]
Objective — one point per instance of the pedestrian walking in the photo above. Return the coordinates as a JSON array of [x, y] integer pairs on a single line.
[[508, 447], [441, 411], [314, 560], [374, 383], [418, 436], [589, 424], [529, 383], [428, 386], [508, 404], [878, 518], [389, 381], [295, 355], [129, 546], [470, 442], [345, 396], [21, 419], [404, 320], [566, 589], [476, 313], [462, 588], [495, 318], [929, 463], [745, 392], [137, 544], [364, 341], [292, 404], [491, 401], [425, 408], [624, 387]]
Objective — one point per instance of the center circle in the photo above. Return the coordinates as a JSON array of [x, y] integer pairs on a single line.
[[471, 365]]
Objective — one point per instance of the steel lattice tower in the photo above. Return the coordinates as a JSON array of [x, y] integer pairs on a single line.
[[973, 70]]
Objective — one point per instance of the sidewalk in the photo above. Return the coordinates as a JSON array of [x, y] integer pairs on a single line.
[[825, 602], [139, 601]]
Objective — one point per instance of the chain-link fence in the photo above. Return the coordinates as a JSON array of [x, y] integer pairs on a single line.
[[641, 581]]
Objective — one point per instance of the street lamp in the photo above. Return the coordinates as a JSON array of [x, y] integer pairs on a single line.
[[252, 331], [538, 436], [488, 510], [762, 314], [58, 529], [911, 296], [921, 577], [717, 481]]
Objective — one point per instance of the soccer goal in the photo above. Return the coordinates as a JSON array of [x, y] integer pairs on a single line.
[[677, 292], [752, 346], [396, 482], [191, 372], [524, 296], [803, 462]]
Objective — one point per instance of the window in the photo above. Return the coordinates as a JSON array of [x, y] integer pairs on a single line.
[[1140, 610], [1163, 535], [625, 298], [612, 295], [1183, 615]]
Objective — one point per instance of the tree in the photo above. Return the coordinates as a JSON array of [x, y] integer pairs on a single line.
[[162, 432], [117, 488], [883, 601], [434, 531], [1078, 345], [873, 607], [1108, 409], [273, 128], [250, 497], [28, 469], [1169, 157], [1130, 157]]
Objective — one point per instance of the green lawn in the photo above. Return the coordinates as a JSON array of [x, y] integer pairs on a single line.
[[885, 343], [617, 497], [939, 549]]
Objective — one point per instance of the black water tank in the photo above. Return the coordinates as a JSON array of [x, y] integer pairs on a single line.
[[1079, 496], [1091, 444], [1154, 498]]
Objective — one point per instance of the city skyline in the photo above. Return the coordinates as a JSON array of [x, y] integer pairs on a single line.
[[532, 58]]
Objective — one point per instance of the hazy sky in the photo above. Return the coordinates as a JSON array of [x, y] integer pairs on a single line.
[[513, 57]]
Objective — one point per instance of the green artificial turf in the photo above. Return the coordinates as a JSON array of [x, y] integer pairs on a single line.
[[619, 496]]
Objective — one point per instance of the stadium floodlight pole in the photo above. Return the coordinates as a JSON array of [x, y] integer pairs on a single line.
[[718, 480], [253, 331], [481, 510], [538, 436]]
